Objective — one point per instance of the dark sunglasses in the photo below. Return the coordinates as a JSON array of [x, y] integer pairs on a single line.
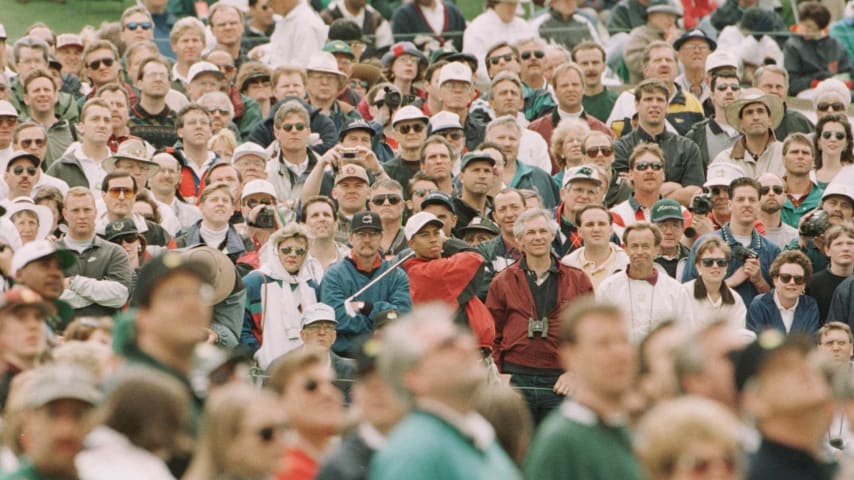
[[708, 262], [299, 251], [787, 278], [28, 142], [715, 191], [135, 25], [723, 86], [405, 129], [452, 135], [221, 111], [536, 53], [116, 192], [127, 238], [31, 171], [359, 83], [268, 434], [393, 199], [497, 58], [254, 203], [827, 134], [422, 192], [596, 151], [96, 64], [655, 166], [825, 106], [290, 126], [777, 189]]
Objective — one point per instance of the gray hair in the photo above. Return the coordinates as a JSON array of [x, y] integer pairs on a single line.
[[31, 42], [508, 120], [772, 69], [291, 107], [216, 96], [519, 226], [833, 86], [506, 76]]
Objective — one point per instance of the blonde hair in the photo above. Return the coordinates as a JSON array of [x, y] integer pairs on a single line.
[[226, 136], [561, 134]]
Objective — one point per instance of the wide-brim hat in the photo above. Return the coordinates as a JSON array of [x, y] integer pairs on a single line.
[[131, 149], [367, 72], [324, 62], [222, 272], [44, 214], [755, 95]]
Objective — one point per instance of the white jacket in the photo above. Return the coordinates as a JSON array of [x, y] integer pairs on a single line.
[[297, 36], [109, 455]]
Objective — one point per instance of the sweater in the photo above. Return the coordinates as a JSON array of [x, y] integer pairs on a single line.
[[821, 287], [409, 21]]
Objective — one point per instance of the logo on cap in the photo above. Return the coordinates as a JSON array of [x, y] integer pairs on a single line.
[[367, 218], [585, 171]]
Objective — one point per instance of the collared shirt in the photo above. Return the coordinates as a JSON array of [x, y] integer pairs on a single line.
[[565, 115], [617, 261], [787, 314], [686, 85], [471, 425], [578, 413], [753, 165], [93, 170]]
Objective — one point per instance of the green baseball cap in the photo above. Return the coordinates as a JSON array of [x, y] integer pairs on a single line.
[[339, 46], [666, 209]]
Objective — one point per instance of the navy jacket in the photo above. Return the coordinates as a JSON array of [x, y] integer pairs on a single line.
[[763, 314], [320, 124]]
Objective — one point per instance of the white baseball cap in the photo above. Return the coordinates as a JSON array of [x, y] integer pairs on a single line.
[[258, 186], [419, 221], [582, 172], [249, 149], [318, 312], [721, 174], [199, 68], [445, 120], [409, 112], [455, 71], [7, 110], [838, 189], [39, 249]]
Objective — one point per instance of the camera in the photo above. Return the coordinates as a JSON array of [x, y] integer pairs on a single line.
[[265, 218], [349, 153], [701, 204], [742, 253], [392, 99], [816, 225]]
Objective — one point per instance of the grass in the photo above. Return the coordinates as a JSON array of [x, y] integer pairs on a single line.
[[62, 18]]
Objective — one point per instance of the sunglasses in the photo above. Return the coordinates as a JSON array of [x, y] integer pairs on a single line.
[[127, 238], [825, 106], [290, 126], [723, 86], [254, 203], [827, 134], [405, 129], [117, 192], [221, 111], [8, 121], [496, 59], [28, 142], [268, 434], [596, 151], [452, 135], [422, 192], [96, 64], [777, 189], [359, 83], [708, 262], [715, 191], [393, 199], [31, 171], [298, 251], [536, 53], [136, 25], [787, 278], [643, 166]]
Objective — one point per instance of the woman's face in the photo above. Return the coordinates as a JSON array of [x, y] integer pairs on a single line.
[[571, 150], [405, 67], [705, 460], [132, 246], [256, 449], [292, 252], [708, 265], [27, 224], [223, 149], [790, 282], [832, 139]]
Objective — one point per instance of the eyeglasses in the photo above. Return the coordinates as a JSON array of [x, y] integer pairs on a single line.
[[405, 129], [452, 135], [708, 262], [536, 53], [827, 134], [497, 58], [96, 64], [422, 192], [643, 166], [136, 25], [787, 278], [825, 106], [723, 86], [290, 126], [594, 152], [120, 192], [829, 343], [393, 199], [777, 189], [221, 111], [254, 203], [268, 434], [715, 191], [8, 121], [31, 171], [298, 251], [28, 142]]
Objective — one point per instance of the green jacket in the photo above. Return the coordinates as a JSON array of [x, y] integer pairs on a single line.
[[66, 107], [28, 472], [69, 170]]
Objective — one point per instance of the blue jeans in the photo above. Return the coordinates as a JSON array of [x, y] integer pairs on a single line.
[[538, 393]]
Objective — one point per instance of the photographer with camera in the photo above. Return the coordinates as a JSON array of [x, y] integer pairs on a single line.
[[837, 206], [752, 253], [261, 217]]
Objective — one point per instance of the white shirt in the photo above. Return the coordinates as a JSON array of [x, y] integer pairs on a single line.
[[383, 35], [617, 261], [93, 170], [706, 310], [787, 314], [297, 36], [534, 150], [435, 16], [488, 29]]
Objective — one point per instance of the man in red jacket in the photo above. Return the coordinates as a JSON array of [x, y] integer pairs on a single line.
[[450, 271], [526, 300]]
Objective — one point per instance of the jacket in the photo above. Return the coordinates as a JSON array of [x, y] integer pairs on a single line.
[[69, 170], [66, 106], [809, 61], [546, 125], [683, 161], [511, 303], [343, 279], [408, 21], [763, 314], [99, 281], [842, 304], [554, 28], [234, 245], [59, 136], [627, 15], [535, 179], [287, 184], [700, 134], [262, 133], [793, 121]]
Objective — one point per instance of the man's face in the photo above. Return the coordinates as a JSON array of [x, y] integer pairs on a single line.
[[225, 64], [137, 28], [841, 250], [8, 125], [599, 150], [138, 170], [755, 119], [449, 366], [602, 356], [428, 242], [446, 216], [227, 175], [388, 203], [290, 85], [507, 208], [119, 110], [716, 379], [320, 220], [577, 194], [791, 385], [532, 56], [507, 137], [506, 99], [591, 62], [30, 59], [97, 126], [220, 112], [477, 178], [175, 297], [671, 232], [652, 109], [773, 84], [227, 26], [289, 134], [798, 159], [196, 130], [647, 174], [772, 201], [661, 65], [693, 54], [251, 167], [261, 13], [155, 81], [312, 409], [21, 176], [32, 140], [106, 66], [202, 84], [744, 205], [839, 209], [53, 435], [188, 48], [595, 228], [119, 197], [71, 58], [502, 60], [420, 190], [838, 345], [569, 90], [554, 58], [345, 63], [437, 161], [411, 134], [536, 239], [252, 201], [366, 242], [167, 177], [79, 213], [357, 138], [351, 195], [322, 87], [43, 275], [22, 334], [455, 94], [725, 91], [217, 208], [321, 334], [41, 96], [641, 248]]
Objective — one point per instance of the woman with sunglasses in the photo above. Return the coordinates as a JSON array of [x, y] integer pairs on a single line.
[[786, 308], [566, 147], [277, 293], [243, 435], [833, 147], [710, 298]]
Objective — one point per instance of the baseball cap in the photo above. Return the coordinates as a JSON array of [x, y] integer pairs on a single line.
[[69, 40], [249, 149], [475, 156], [752, 359], [7, 110], [156, 270], [666, 209], [664, 6], [21, 296], [62, 381], [39, 249], [351, 170], [438, 197], [582, 172], [120, 228], [356, 124], [199, 68], [20, 154], [695, 33], [455, 71], [721, 174], [339, 46], [318, 312], [258, 186], [419, 221], [838, 189], [482, 224], [721, 59], [445, 120], [403, 114], [366, 220]]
